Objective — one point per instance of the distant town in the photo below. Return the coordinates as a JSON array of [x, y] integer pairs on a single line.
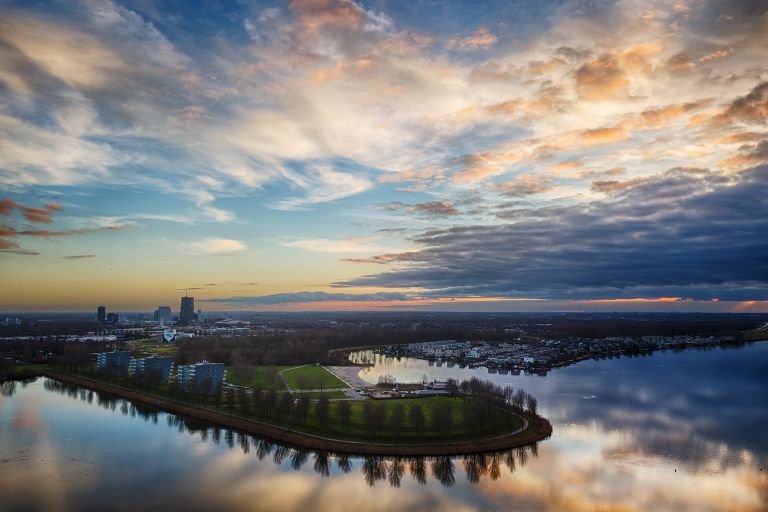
[[504, 343]]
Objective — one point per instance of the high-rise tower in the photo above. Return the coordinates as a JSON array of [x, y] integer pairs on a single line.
[[187, 310]]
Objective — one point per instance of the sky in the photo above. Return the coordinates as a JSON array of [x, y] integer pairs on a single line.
[[388, 155]]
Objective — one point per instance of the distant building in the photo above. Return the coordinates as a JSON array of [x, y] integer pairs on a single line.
[[162, 365], [163, 314], [187, 310], [101, 314], [169, 335], [114, 363], [201, 377], [113, 318]]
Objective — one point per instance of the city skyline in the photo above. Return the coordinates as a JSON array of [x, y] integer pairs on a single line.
[[339, 155]]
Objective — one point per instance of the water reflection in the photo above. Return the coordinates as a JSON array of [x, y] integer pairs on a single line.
[[669, 432], [374, 468]]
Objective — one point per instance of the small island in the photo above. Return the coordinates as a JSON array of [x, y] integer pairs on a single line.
[[312, 407]]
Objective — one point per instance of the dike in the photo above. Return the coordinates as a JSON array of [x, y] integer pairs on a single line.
[[537, 428]]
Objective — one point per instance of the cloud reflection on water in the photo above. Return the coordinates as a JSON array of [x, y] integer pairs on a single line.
[[659, 435]]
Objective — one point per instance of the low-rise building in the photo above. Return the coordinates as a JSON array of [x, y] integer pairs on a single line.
[[203, 377], [114, 363], [151, 366]]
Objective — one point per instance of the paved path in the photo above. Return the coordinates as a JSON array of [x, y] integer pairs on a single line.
[[349, 375]]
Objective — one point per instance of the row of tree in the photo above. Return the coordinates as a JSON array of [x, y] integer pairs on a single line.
[[485, 407]]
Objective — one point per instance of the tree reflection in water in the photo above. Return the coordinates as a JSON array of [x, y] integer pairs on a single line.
[[322, 464], [374, 468], [418, 467], [396, 470], [444, 470], [344, 463]]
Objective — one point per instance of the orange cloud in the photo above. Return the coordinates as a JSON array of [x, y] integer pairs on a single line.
[[526, 185], [603, 135], [483, 165], [609, 186], [660, 116], [719, 54], [601, 79], [480, 38], [39, 215], [680, 63], [44, 233], [7, 244], [315, 16], [738, 138], [608, 76], [340, 69]]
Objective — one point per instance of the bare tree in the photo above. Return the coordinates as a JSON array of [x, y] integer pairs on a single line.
[[396, 419], [531, 404], [418, 420], [284, 408], [322, 415], [242, 396], [442, 418], [344, 413], [301, 410], [229, 395]]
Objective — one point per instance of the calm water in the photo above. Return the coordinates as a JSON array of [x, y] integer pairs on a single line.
[[672, 431]]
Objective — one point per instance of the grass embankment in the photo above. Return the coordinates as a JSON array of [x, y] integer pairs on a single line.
[[352, 436], [311, 377]]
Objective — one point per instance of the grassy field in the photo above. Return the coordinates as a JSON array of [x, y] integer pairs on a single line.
[[315, 377], [502, 422], [314, 395], [261, 377], [143, 348], [356, 431]]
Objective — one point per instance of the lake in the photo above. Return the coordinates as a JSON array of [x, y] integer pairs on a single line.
[[670, 431]]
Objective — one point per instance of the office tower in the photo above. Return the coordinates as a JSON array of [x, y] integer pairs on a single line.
[[101, 314], [163, 314], [187, 310]]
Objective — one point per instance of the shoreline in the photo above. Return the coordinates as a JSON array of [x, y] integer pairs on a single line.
[[537, 429]]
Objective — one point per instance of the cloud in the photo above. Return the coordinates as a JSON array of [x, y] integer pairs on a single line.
[[323, 184], [79, 256], [479, 39], [525, 186], [47, 233], [429, 209], [684, 233], [287, 298], [751, 156], [601, 79], [751, 108], [716, 55], [349, 245], [216, 246], [39, 215]]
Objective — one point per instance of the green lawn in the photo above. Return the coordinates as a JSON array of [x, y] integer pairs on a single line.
[[505, 422], [262, 377], [143, 348], [314, 395], [499, 423], [312, 377]]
